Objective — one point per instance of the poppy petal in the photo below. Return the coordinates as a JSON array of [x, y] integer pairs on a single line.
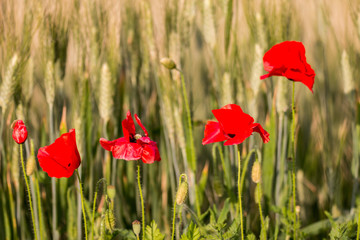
[[264, 134], [141, 125], [288, 59], [239, 137], [128, 126], [232, 119], [61, 158], [107, 145], [127, 151], [213, 133], [148, 155]]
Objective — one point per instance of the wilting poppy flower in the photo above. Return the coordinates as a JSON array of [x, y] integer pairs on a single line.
[[234, 126], [19, 131], [288, 59], [61, 158], [132, 146]]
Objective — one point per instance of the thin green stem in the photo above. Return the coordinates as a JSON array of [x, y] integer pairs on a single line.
[[93, 216], [142, 202], [82, 203], [293, 159], [190, 133], [173, 223], [39, 206], [28, 190], [247, 160], [260, 210], [239, 192]]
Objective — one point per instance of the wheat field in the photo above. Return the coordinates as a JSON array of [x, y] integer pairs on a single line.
[[83, 64]]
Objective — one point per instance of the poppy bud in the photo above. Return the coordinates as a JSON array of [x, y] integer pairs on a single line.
[[181, 193], [168, 63], [19, 133], [30, 165], [256, 172], [111, 192], [136, 227]]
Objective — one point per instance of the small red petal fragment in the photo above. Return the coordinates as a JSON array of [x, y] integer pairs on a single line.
[[141, 125], [264, 134]]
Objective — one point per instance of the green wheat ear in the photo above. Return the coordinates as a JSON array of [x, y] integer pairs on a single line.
[[8, 84]]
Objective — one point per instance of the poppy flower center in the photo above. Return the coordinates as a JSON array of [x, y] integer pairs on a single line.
[[135, 137]]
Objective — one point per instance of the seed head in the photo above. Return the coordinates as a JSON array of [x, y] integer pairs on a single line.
[[136, 227], [168, 63]]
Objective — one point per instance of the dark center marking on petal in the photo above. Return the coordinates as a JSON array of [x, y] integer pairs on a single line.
[[69, 164], [231, 135]]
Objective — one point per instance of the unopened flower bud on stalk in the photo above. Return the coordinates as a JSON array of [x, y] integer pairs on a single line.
[[136, 227], [19, 131], [168, 63], [256, 172], [111, 192], [181, 193]]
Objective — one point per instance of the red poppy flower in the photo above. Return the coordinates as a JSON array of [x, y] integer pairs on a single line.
[[234, 126], [19, 131], [132, 146], [288, 59], [61, 158]]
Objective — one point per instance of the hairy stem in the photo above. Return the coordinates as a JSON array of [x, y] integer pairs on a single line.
[[239, 192], [142, 202], [293, 159], [82, 203], [28, 190]]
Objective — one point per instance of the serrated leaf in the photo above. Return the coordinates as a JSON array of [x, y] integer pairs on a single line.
[[233, 230], [153, 233], [192, 233], [224, 212]]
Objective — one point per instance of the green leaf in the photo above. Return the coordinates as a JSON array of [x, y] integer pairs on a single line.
[[224, 212], [153, 233], [192, 233], [233, 230]]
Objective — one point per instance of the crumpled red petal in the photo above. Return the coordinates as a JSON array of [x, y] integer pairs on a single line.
[[127, 151], [264, 134], [128, 126], [150, 153], [61, 158], [213, 133], [107, 145]]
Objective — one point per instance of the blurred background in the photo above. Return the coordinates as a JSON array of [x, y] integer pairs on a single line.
[[83, 64]]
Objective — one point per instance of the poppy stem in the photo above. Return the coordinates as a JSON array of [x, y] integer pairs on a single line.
[[142, 202], [173, 223], [239, 192], [293, 160], [82, 203], [94, 204], [28, 190]]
